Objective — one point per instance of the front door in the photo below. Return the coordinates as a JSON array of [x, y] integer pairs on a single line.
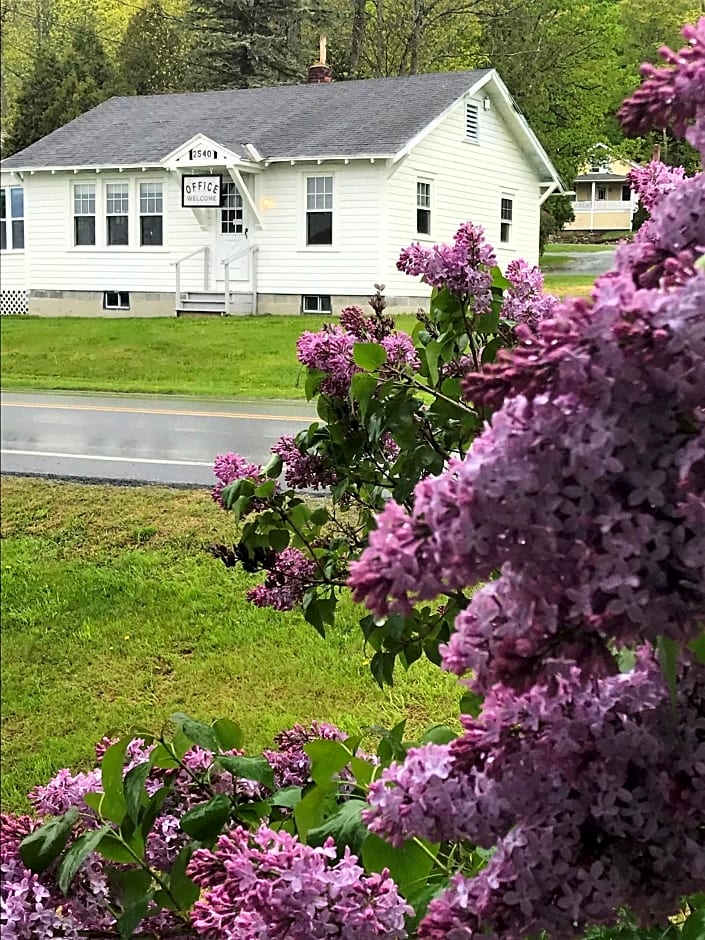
[[232, 232]]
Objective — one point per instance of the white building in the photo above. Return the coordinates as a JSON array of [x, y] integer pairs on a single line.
[[271, 200]]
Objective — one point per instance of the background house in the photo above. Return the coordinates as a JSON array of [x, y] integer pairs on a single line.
[[603, 201], [288, 199]]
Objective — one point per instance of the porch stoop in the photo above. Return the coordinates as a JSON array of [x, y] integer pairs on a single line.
[[212, 304]]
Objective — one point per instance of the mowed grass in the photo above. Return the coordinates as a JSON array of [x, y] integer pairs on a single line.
[[252, 357], [568, 285], [113, 614], [561, 247]]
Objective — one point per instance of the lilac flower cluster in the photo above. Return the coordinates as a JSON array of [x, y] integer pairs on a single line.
[[331, 352], [303, 470], [365, 329], [268, 884], [400, 352], [463, 267], [290, 763], [672, 96], [525, 301], [288, 578], [586, 492], [594, 797], [231, 467], [655, 180]]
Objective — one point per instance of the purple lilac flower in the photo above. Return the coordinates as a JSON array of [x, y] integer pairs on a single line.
[[290, 763], [365, 329], [400, 351], [267, 884], [525, 301], [303, 470], [286, 582], [64, 791], [331, 352], [231, 467], [672, 96], [655, 180], [594, 798], [463, 267]]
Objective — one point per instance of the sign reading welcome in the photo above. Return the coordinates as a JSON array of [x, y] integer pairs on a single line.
[[201, 191]]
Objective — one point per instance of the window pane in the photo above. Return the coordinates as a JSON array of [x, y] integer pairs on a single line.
[[506, 210], [117, 199], [117, 230], [423, 221], [504, 232], [626, 193], [18, 234], [151, 198], [319, 228], [17, 202], [3, 235], [84, 198], [84, 230], [319, 193], [151, 230], [2, 204], [423, 195]]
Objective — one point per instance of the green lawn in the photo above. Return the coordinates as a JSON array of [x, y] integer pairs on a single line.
[[568, 285], [560, 247], [550, 261], [113, 615], [253, 357]]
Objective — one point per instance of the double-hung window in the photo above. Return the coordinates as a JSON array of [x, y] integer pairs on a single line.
[[117, 214], [505, 217], [151, 214], [319, 210], [231, 213], [12, 218], [84, 214], [423, 207]]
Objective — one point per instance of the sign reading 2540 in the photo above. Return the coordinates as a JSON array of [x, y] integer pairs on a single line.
[[201, 191]]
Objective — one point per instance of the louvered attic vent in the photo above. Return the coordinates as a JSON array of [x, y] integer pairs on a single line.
[[472, 121]]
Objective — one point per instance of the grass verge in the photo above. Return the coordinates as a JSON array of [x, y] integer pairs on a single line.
[[114, 615], [561, 247], [253, 357], [568, 285]]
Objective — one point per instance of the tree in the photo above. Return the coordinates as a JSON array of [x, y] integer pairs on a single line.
[[151, 57], [37, 112], [248, 43]]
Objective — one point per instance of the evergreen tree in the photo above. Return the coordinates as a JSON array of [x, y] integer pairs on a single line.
[[246, 43], [37, 112], [88, 75], [152, 53]]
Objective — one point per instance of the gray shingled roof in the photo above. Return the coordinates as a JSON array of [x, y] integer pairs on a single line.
[[601, 178], [373, 117]]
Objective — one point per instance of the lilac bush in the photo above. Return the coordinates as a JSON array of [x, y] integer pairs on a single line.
[[582, 507]]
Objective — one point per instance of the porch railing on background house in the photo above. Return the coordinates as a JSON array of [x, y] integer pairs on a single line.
[[251, 251], [602, 205], [206, 268]]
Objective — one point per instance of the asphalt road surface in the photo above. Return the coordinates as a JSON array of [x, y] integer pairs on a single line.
[[139, 439]]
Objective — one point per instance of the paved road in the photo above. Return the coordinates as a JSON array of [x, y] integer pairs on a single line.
[[586, 262], [140, 439]]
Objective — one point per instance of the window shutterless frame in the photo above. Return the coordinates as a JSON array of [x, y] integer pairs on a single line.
[[506, 217], [11, 218], [117, 213], [423, 207], [84, 198], [151, 213], [319, 209]]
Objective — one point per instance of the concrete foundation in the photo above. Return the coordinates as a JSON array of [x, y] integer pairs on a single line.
[[77, 303]]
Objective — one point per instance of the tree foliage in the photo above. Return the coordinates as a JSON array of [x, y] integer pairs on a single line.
[[152, 53]]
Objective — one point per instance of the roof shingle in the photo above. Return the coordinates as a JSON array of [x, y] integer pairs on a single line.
[[373, 117]]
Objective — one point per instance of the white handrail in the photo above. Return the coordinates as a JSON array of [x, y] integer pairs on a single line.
[[177, 269], [248, 250]]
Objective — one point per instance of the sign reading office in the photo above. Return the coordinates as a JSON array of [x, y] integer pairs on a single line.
[[203, 191]]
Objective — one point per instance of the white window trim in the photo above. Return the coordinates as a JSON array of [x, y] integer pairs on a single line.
[[97, 213], [101, 234], [305, 174], [431, 208], [316, 312], [510, 241], [104, 187], [139, 214], [9, 219]]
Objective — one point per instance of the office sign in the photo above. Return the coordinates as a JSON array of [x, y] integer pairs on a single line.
[[201, 191]]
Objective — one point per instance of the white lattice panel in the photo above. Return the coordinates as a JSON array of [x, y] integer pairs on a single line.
[[13, 303]]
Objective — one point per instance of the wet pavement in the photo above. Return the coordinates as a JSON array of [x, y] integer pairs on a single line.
[[141, 439]]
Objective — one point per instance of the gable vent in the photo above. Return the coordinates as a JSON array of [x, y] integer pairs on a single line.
[[472, 121]]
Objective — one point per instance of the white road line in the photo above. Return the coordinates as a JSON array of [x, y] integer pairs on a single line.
[[46, 453]]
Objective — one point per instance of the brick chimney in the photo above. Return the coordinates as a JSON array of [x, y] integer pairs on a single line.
[[319, 73]]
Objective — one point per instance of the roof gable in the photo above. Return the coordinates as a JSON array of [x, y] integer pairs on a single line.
[[200, 150]]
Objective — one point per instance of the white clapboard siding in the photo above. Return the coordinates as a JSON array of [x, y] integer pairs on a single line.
[[351, 265], [468, 181], [13, 264], [54, 263]]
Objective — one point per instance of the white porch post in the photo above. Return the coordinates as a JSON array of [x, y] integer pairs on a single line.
[[592, 207]]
